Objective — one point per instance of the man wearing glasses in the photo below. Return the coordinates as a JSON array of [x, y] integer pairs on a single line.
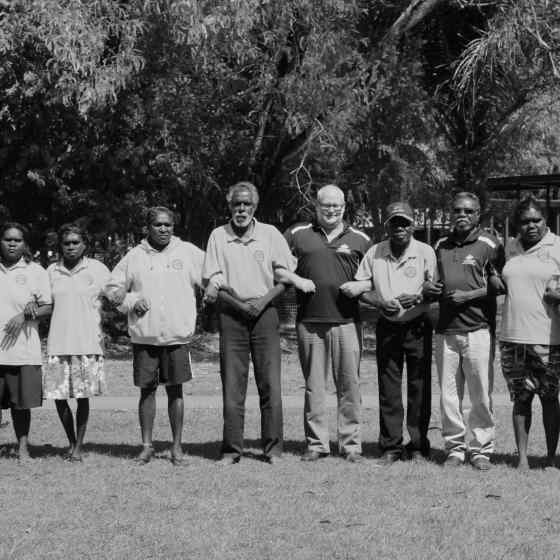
[[469, 264], [328, 329]]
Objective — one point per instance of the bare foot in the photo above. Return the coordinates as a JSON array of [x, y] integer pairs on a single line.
[[145, 455], [177, 457], [523, 465], [23, 455]]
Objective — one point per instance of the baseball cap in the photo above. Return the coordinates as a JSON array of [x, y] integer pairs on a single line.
[[399, 209]]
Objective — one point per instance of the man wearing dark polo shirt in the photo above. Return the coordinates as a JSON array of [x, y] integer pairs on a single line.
[[328, 328], [469, 262]]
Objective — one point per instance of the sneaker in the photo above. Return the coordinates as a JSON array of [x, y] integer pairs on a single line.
[[481, 463], [354, 457], [311, 455], [453, 461]]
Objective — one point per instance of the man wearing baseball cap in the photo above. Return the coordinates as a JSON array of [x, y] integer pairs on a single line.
[[396, 270]]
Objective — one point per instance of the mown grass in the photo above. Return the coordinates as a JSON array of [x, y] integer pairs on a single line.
[[108, 507]]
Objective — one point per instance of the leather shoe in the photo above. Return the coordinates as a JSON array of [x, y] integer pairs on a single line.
[[453, 461], [481, 463], [272, 459], [417, 457], [387, 459], [354, 457], [311, 455]]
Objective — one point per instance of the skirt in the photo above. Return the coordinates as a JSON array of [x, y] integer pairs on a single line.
[[77, 377]]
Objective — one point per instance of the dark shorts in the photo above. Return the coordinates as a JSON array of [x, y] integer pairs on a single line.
[[166, 365], [21, 387], [530, 369]]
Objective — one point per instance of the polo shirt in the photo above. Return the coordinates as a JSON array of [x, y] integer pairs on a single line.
[[329, 264], [247, 263], [466, 265], [76, 319], [167, 280], [526, 318], [20, 284], [393, 276]]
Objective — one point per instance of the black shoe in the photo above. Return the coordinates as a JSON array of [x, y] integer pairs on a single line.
[[388, 458], [272, 459], [311, 455]]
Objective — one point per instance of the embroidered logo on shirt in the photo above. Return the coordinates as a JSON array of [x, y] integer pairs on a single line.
[[259, 256], [410, 271], [21, 280], [87, 279], [344, 249], [470, 260], [177, 264]]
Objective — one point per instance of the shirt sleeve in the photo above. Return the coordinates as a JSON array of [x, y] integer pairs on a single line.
[[197, 263], [211, 265], [121, 280], [282, 256], [365, 268], [430, 265], [42, 293]]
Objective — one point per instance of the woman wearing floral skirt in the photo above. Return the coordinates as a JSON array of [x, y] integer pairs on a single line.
[[75, 343]]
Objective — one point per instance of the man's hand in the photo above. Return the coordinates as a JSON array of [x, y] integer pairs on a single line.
[[254, 307], [457, 297], [14, 326], [390, 307], [305, 285], [210, 294], [116, 297], [432, 290], [496, 285], [408, 300], [141, 307], [30, 311], [353, 289], [552, 297]]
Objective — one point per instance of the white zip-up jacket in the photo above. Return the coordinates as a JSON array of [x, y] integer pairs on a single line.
[[166, 279]]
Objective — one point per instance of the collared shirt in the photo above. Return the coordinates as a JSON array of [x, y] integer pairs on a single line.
[[20, 284], [247, 263], [466, 265], [167, 280], [76, 319], [526, 318], [392, 276], [329, 264]]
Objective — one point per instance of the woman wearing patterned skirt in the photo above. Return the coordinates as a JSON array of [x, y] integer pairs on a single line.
[[75, 343]]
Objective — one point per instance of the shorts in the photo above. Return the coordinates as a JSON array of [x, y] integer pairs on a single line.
[[77, 377], [531, 369], [160, 365], [21, 387]]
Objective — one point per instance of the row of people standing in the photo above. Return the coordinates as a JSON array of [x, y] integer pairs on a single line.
[[247, 265]]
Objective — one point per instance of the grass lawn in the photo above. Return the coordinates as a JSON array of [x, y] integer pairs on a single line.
[[108, 507]]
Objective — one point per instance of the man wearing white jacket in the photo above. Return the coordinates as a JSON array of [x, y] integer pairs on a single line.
[[154, 284]]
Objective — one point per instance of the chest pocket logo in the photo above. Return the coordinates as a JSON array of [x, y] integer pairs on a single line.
[[344, 249], [410, 271], [177, 264], [259, 256], [470, 261], [21, 280]]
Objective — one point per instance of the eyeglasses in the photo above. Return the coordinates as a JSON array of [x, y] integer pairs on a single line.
[[336, 207], [467, 211]]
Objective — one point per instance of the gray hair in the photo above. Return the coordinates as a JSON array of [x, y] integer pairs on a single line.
[[467, 195], [243, 186], [153, 212]]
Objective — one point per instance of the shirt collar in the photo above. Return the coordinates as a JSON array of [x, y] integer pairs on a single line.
[[548, 239], [319, 229], [22, 263], [80, 266], [471, 238], [409, 252], [250, 235]]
